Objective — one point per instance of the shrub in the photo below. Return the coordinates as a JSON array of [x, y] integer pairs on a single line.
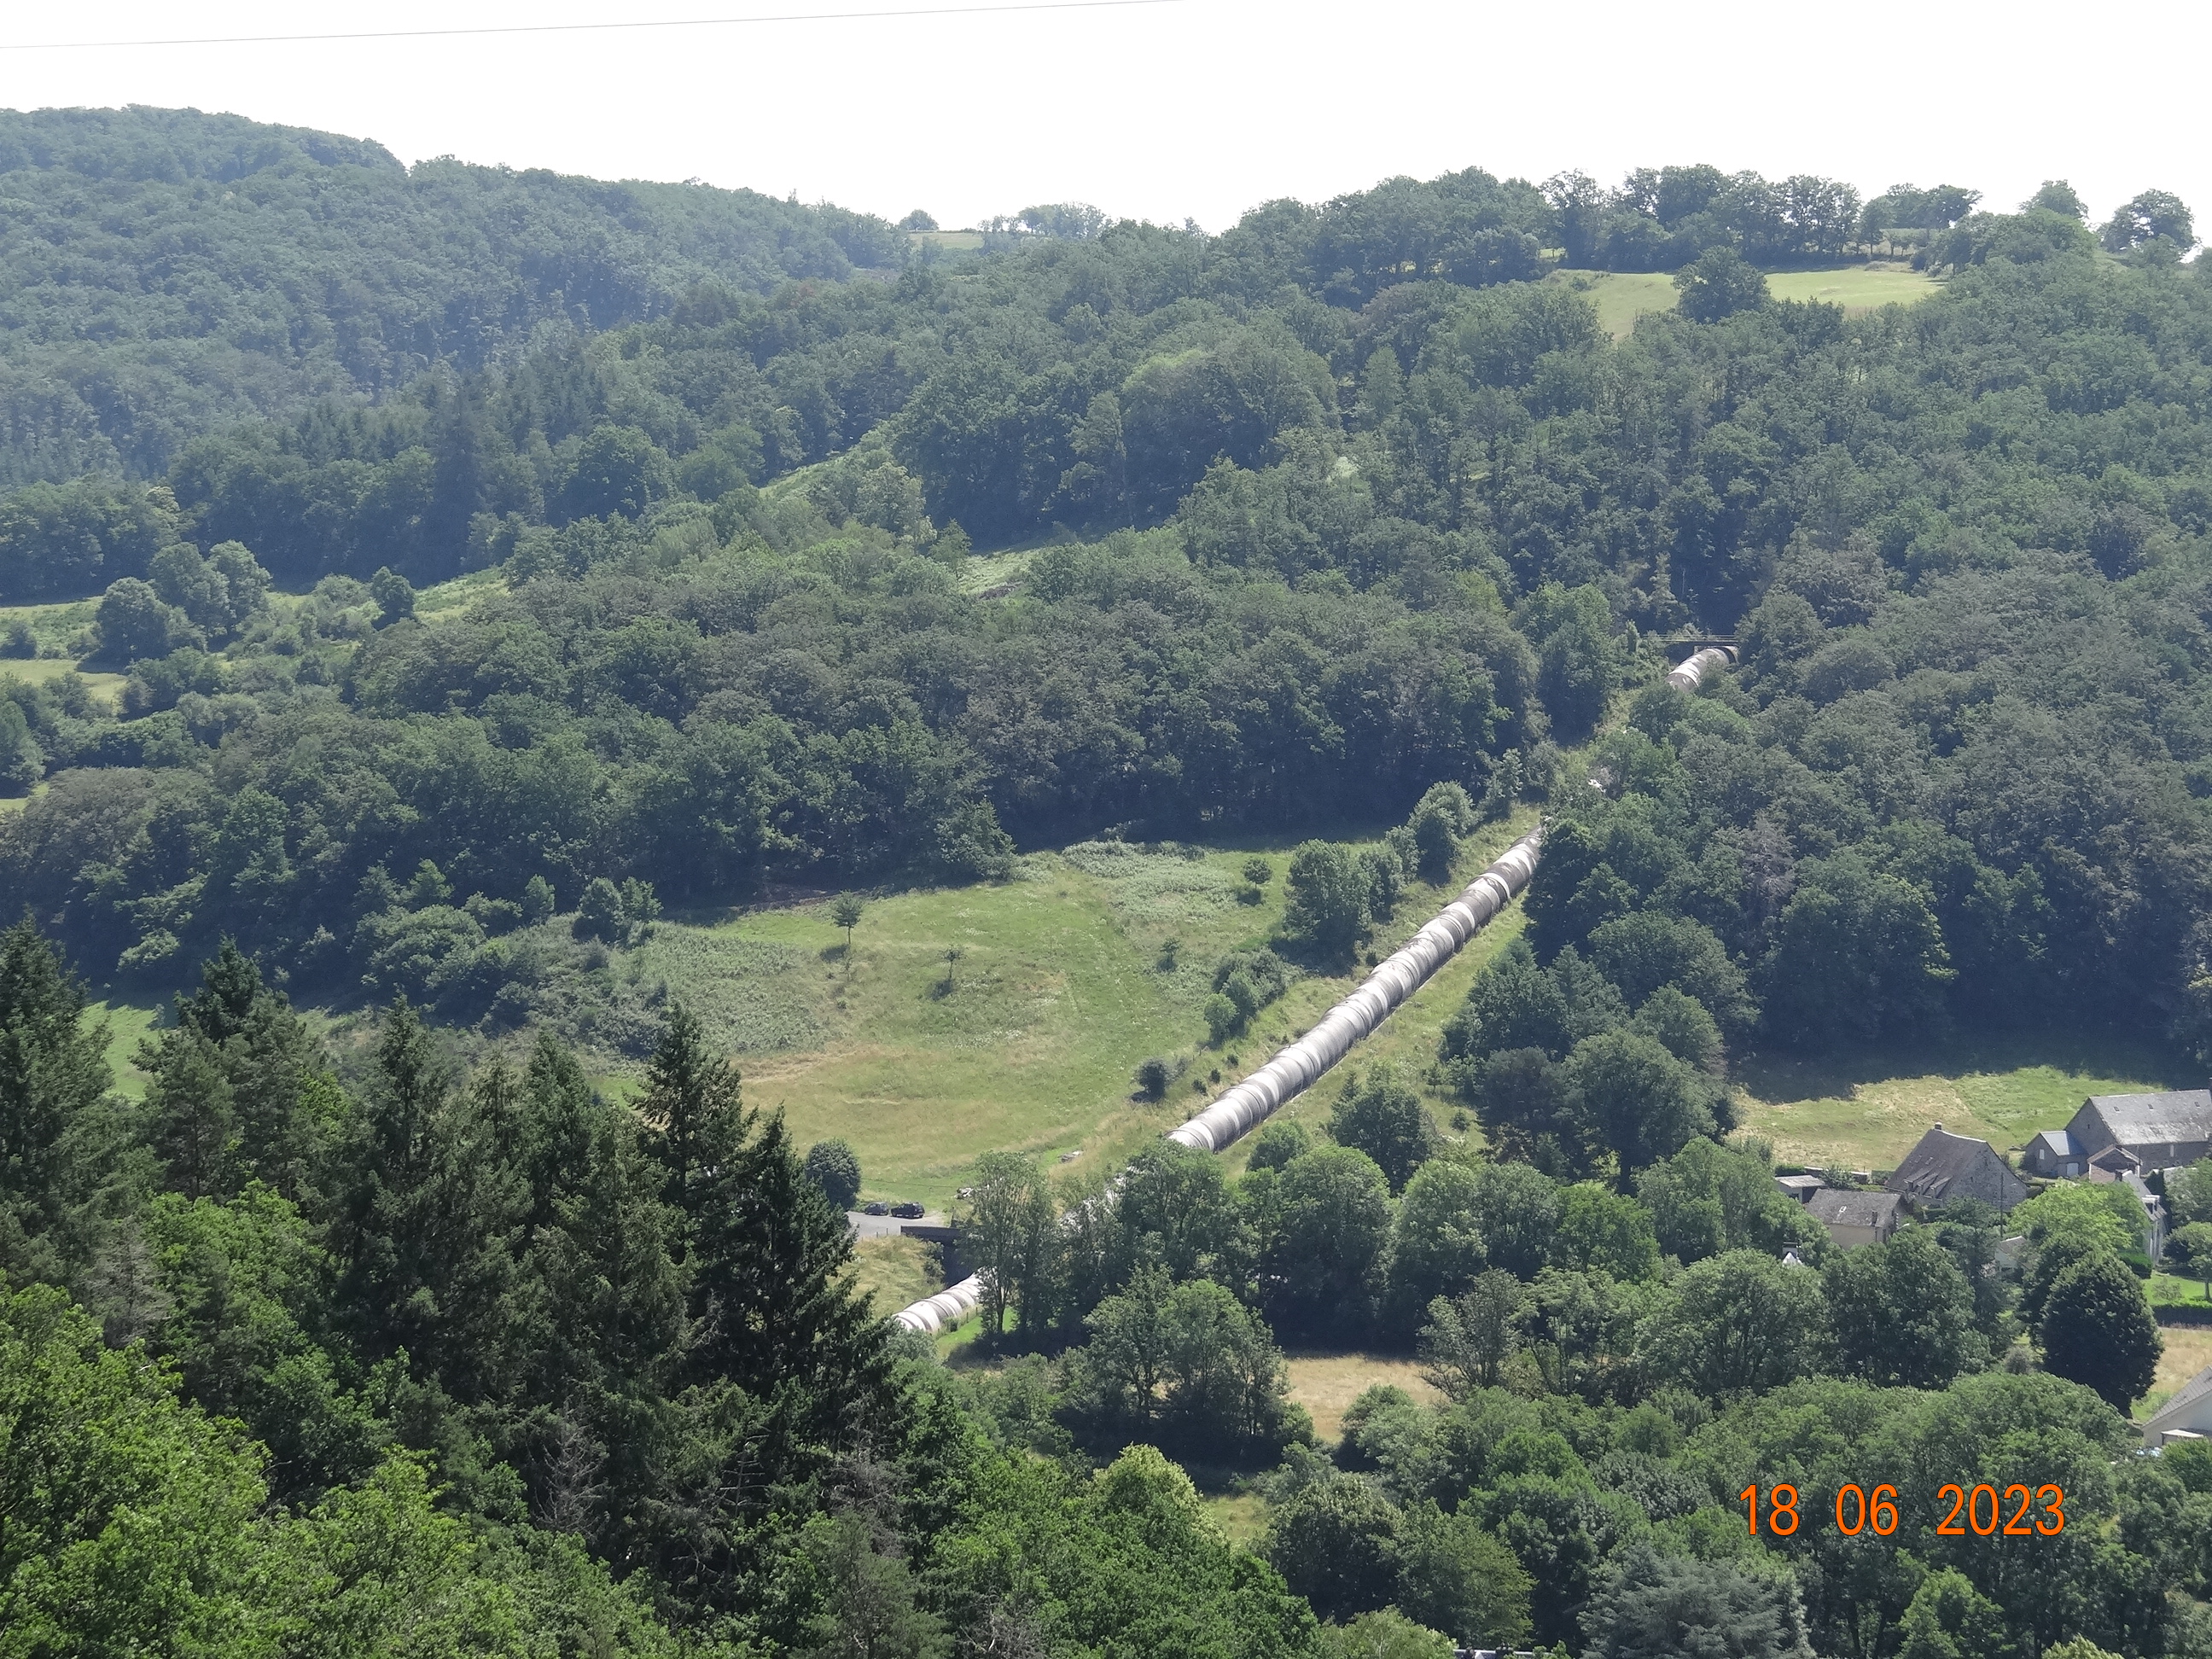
[[537, 900], [972, 847], [1379, 1115], [640, 904], [1257, 870], [394, 597], [832, 1166], [1386, 881], [599, 915], [1222, 1016], [1251, 979], [1329, 891], [1278, 1142], [1153, 1077], [1444, 816]]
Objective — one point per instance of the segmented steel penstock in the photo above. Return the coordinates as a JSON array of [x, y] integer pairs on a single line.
[[1246, 1105], [1249, 1104]]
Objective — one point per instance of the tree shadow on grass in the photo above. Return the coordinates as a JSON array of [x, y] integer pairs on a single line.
[[1783, 1074]]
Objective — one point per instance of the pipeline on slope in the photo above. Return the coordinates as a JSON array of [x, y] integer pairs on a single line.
[[1248, 1103]]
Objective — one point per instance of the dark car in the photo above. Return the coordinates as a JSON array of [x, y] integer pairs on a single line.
[[877, 1208], [908, 1211]]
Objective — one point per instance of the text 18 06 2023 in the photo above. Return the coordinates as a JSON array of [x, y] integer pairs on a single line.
[[1978, 1509]]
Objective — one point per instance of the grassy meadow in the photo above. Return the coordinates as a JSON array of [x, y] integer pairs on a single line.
[[1865, 1111], [1623, 296], [1026, 1039]]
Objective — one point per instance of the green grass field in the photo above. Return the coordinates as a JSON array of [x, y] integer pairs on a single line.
[[127, 1023], [989, 570], [1623, 296], [1866, 1111], [955, 241], [1028, 1041], [1854, 287]]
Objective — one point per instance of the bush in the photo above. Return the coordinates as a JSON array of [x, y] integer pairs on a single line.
[[1329, 891], [1279, 1141], [972, 847], [20, 641], [133, 624], [537, 900], [1719, 284], [1153, 1077], [640, 905], [832, 1166], [1257, 870], [394, 597], [599, 915], [1386, 881], [1222, 1017], [1251, 979], [1444, 816], [1379, 1115]]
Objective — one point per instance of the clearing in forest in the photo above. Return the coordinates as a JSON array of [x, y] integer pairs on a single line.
[[1866, 1111], [1326, 1384], [1622, 296], [1028, 1038]]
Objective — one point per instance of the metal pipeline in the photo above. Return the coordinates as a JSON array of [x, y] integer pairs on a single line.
[[1246, 1105]]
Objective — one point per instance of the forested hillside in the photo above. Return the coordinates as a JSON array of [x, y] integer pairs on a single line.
[[426, 581], [1317, 548], [163, 272]]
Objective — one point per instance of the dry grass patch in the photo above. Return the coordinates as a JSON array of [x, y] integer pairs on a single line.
[[1326, 1384], [2188, 1350], [899, 1272]]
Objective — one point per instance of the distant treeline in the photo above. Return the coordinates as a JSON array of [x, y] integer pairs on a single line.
[[164, 271]]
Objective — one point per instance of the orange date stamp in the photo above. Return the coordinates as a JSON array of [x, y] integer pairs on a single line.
[[1979, 1510]]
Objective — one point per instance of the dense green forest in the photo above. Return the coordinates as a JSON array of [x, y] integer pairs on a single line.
[[163, 272], [1349, 515]]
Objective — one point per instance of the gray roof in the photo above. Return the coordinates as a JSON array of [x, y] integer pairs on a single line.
[[1945, 1166], [2178, 1114], [2058, 1142], [2182, 1398], [1843, 1209]]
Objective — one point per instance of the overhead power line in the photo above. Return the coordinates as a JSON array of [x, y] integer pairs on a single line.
[[579, 28]]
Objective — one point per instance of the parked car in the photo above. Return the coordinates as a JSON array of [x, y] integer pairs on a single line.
[[877, 1208], [908, 1211]]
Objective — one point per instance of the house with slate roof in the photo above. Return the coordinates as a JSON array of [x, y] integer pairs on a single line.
[[1945, 1167], [1855, 1218], [2115, 1135], [2186, 1416]]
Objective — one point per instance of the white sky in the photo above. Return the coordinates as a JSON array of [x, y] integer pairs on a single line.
[[1198, 108]]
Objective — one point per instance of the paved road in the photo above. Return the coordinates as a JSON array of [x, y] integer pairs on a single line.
[[887, 1226]]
